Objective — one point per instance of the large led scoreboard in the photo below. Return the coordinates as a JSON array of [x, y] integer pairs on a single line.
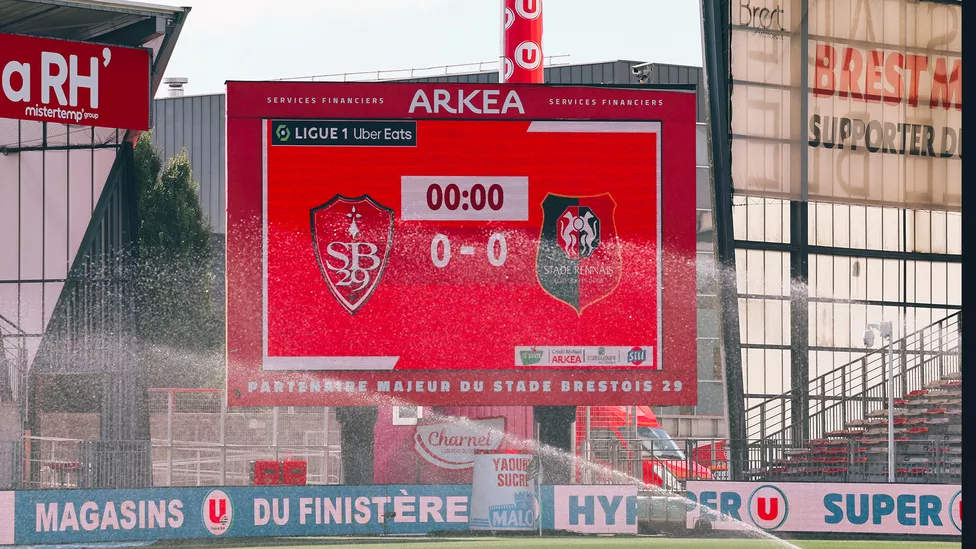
[[444, 244]]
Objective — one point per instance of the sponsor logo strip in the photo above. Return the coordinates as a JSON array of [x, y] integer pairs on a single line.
[[635, 355]]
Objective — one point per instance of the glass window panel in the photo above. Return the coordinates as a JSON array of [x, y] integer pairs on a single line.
[[873, 274], [922, 223], [858, 227], [703, 191], [923, 282], [707, 270], [701, 145], [739, 217], [842, 325], [754, 281], [777, 372], [954, 284], [822, 231], [858, 279], [707, 322], [842, 225], [711, 399], [773, 320], [893, 277], [953, 233], [873, 217], [939, 232], [774, 220], [709, 360], [741, 271], [940, 280], [891, 229]]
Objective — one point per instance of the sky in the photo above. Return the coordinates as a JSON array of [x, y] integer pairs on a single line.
[[249, 40]]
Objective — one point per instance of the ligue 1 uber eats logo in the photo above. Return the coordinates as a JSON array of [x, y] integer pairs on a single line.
[[352, 238]]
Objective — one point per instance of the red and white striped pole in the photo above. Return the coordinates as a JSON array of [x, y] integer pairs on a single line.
[[521, 58]]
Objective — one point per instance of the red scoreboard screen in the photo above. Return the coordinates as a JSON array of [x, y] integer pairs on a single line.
[[442, 244]]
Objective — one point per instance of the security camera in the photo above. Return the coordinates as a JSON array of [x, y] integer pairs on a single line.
[[643, 68], [868, 338]]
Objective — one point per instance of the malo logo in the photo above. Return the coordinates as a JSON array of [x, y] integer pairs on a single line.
[[578, 261], [218, 512], [768, 507], [352, 238]]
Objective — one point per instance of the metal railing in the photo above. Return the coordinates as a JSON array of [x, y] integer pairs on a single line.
[[859, 387], [934, 460], [419, 72]]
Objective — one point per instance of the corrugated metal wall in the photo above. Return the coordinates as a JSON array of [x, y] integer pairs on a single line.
[[197, 124]]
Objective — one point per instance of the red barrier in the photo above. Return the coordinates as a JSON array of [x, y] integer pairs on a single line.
[[265, 473], [294, 472]]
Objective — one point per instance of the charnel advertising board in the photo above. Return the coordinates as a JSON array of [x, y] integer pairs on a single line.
[[916, 509], [856, 101], [452, 244]]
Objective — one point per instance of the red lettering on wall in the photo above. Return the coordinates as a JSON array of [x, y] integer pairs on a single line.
[[947, 88]]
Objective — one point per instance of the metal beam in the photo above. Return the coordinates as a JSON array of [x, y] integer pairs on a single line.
[[716, 18]]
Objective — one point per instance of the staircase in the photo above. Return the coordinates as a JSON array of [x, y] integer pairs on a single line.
[[845, 437]]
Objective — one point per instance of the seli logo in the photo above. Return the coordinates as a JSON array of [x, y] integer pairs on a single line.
[[352, 238], [636, 356], [218, 512], [768, 507]]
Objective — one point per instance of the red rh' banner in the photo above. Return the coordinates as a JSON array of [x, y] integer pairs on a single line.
[[522, 61], [441, 244], [76, 83]]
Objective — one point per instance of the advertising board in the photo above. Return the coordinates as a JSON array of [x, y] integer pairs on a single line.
[[862, 108], [70, 516], [503, 493], [6, 518], [76, 83], [603, 509], [917, 509], [460, 244], [99, 516]]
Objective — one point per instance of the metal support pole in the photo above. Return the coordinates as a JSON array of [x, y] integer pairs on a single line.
[[891, 408], [274, 431], [223, 442], [170, 408]]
